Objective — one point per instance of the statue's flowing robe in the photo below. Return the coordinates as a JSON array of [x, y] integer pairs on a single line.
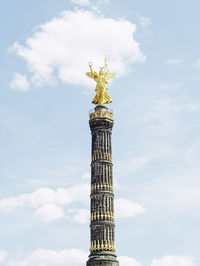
[[101, 96]]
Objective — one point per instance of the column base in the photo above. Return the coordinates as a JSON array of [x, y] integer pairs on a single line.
[[102, 260]]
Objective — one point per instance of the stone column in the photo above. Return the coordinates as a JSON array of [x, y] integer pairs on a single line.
[[102, 227]]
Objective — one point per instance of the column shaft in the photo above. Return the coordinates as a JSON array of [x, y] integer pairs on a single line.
[[102, 248]]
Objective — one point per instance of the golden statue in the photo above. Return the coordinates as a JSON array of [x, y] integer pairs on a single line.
[[101, 79]]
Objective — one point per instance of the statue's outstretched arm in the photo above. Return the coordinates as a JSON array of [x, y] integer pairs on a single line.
[[90, 65], [91, 74]]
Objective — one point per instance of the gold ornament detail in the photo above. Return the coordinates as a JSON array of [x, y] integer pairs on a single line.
[[102, 186], [102, 245], [101, 114], [97, 216], [101, 79], [101, 156]]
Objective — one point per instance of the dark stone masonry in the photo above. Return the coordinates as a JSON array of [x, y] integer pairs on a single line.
[[102, 226]]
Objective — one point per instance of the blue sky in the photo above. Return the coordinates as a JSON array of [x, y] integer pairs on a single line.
[[153, 46]]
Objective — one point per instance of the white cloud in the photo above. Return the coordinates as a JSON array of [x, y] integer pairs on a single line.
[[40, 197], [48, 204], [173, 61], [144, 21], [12, 202], [62, 47], [173, 261], [128, 261], [43, 196], [82, 216], [81, 2], [47, 257], [20, 83], [78, 193], [126, 208], [3, 255], [49, 213], [78, 257]]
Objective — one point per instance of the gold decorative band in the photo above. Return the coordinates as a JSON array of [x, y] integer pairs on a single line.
[[102, 245], [101, 186], [101, 114], [97, 216], [101, 156]]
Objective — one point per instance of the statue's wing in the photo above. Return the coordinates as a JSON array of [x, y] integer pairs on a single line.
[[109, 75], [91, 75]]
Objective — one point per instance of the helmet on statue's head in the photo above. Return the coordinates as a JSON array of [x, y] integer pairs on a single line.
[[101, 71]]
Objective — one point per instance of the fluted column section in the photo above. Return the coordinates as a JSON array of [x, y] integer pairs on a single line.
[[102, 246]]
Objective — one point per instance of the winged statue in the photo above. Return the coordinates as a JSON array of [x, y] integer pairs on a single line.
[[101, 79]]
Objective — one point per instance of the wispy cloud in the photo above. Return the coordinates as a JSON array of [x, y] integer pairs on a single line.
[[92, 4], [176, 189], [3, 255], [81, 2], [20, 83], [86, 175], [164, 115], [144, 21], [171, 192], [173, 61], [197, 64]]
